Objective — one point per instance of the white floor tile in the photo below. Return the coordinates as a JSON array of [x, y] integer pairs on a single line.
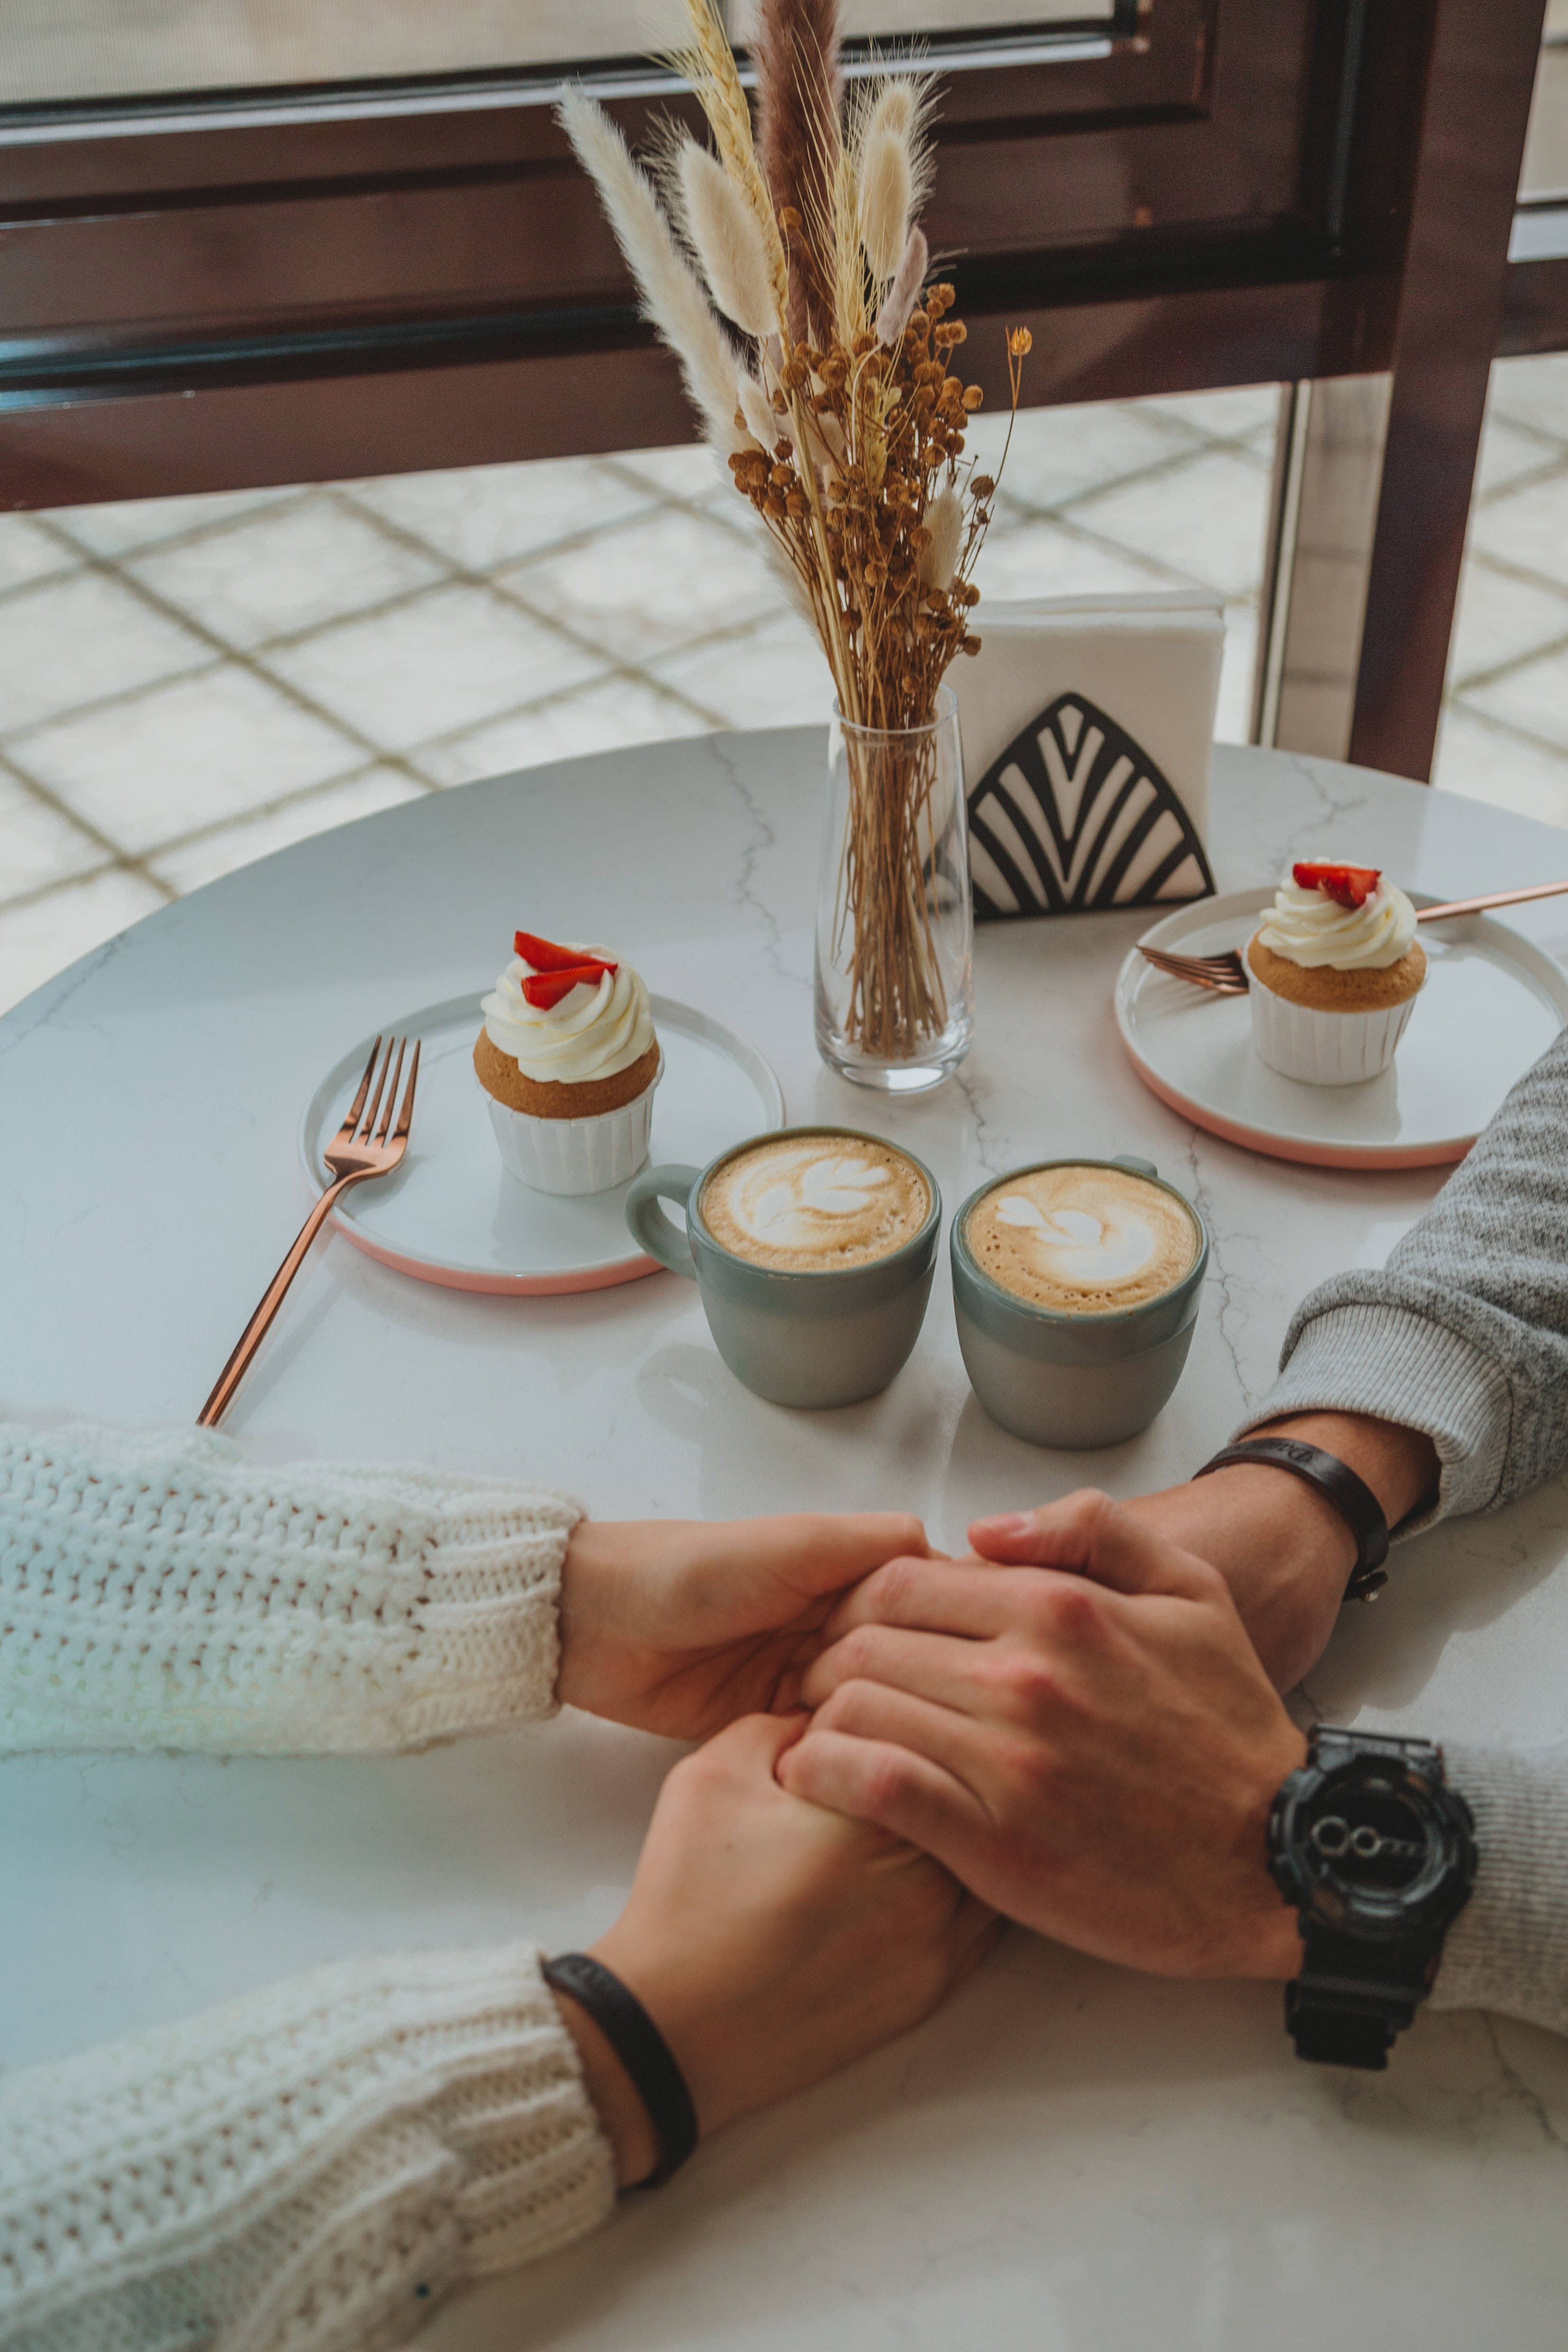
[[189, 864], [38, 847], [1500, 619], [28, 553], [1534, 697], [78, 639], [1040, 559], [288, 570], [690, 471], [139, 522], [197, 752], [1528, 527], [1533, 391], [445, 661], [1205, 521], [656, 583], [1509, 454], [1059, 454], [480, 515], [1235, 413], [1485, 764], [611, 712], [776, 676], [39, 938]]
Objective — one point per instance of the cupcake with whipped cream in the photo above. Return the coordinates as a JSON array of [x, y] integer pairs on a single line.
[[568, 1060], [1336, 969]]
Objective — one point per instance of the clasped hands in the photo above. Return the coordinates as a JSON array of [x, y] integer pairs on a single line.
[[1071, 1729]]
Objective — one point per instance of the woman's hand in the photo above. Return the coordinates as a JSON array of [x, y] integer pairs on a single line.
[[771, 1942], [1091, 1745], [681, 1625]]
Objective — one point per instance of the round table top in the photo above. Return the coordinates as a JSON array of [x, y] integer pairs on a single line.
[[1069, 2154]]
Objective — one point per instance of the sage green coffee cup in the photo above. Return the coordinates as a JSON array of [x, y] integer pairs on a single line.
[[1072, 1380], [808, 1339]]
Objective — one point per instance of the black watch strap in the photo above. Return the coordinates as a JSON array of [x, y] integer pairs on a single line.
[[641, 2048], [1355, 1994], [1352, 1497]]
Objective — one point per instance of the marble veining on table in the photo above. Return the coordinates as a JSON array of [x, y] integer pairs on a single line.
[[1069, 2155]]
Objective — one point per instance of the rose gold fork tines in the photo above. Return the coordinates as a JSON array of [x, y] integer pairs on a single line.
[[1226, 974], [362, 1148]]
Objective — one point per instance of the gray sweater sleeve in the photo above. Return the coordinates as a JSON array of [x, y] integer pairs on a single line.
[[1464, 1335], [1508, 1950]]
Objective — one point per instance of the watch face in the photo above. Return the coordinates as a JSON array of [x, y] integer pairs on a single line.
[[1373, 1847]]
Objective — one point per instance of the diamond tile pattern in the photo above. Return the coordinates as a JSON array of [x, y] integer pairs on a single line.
[[186, 684]]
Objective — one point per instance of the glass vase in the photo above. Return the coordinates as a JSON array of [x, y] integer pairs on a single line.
[[895, 989]]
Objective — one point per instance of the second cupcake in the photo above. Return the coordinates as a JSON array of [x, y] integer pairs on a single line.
[[568, 1060], [1335, 970]]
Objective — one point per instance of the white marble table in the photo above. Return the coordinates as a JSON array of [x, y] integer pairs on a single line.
[[1068, 2156]]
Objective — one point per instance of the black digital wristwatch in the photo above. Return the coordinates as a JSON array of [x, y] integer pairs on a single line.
[[1376, 1854]]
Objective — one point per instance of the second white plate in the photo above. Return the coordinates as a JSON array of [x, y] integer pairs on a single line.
[[1492, 1003], [452, 1215]]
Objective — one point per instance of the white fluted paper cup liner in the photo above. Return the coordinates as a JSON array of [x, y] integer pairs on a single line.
[[576, 1155], [1325, 1049]]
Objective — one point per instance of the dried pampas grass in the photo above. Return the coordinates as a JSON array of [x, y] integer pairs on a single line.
[[795, 48]]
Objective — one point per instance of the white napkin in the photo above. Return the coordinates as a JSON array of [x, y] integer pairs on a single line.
[[1106, 706]]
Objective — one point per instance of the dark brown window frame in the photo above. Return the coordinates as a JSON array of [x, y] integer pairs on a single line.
[[297, 286]]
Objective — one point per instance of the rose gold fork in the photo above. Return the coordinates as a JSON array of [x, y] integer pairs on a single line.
[[356, 1153], [1226, 974]]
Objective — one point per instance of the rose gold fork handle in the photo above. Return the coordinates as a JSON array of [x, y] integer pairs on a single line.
[[1492, 899], [256, 1330]]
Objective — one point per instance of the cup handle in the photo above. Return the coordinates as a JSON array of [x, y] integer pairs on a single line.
[[659, 1235], [1138, 1167]]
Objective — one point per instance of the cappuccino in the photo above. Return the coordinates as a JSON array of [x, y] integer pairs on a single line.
[[815, 1203], [1081, 1240]]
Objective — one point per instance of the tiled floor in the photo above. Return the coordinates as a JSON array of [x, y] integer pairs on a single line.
[[187, 684]]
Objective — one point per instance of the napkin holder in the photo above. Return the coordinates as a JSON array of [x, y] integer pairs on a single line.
[[1087, 725]]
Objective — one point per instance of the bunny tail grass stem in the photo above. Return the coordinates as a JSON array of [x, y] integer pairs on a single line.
[[721, 228], [672, 297], [709, 64], [905, 290]]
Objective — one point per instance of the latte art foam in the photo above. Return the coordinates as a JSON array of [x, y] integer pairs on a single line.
[[812, 1203], [1080, 1240]]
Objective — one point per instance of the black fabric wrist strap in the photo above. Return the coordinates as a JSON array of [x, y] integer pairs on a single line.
[[642, 2050], [1352, 1497]]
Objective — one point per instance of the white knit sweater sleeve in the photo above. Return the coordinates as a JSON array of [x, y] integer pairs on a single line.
[[309, 2169], [156, 1590]]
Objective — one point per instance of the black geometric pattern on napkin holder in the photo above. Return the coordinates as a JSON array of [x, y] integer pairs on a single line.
[[1113, 789]]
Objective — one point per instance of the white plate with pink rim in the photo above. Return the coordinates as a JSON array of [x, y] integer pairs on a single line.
[[453, 1216], [1492, 1003]]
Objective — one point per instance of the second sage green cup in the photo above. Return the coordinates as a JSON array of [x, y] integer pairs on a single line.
[[812, 1340], [1074, 1381]]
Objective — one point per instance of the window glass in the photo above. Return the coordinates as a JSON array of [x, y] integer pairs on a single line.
[[57, 50], [1545, 169]]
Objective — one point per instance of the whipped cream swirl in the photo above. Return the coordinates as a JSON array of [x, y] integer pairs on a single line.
[[1308, 928], [593, 1033]]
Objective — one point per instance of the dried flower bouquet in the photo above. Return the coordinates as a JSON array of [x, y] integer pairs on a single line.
[[836, 414]]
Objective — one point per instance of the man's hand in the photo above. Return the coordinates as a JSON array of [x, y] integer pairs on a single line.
[[1280, 1545], [681, 1625], [1091, 1746], [771, 1942]]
